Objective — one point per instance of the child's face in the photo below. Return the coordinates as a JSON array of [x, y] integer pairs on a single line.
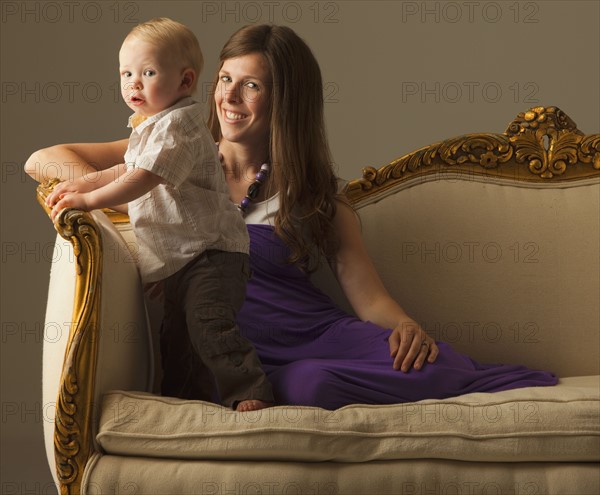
[[151, 80]]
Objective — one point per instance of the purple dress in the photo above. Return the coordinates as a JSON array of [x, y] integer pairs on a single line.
[[317, 355]]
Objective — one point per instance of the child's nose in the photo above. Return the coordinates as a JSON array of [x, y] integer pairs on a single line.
[[133, 85]]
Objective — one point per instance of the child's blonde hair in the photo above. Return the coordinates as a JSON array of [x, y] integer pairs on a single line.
[[175, 37]]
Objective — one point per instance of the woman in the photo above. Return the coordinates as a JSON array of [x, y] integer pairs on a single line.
[[268, 113]]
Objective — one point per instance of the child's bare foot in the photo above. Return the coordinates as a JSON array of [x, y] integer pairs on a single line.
[[252, 405]]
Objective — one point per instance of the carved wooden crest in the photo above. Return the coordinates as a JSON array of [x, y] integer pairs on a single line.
[[541, 144]]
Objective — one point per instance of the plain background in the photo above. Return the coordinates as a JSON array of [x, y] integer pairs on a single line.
[[397, 76]]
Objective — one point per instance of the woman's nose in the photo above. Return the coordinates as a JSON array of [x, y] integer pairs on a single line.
[[233, 93]]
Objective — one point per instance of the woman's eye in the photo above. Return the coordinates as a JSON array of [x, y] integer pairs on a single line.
[[252, 85], [225, 78], [149, 72]]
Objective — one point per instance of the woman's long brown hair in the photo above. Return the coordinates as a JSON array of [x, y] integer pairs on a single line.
[[302, 169]]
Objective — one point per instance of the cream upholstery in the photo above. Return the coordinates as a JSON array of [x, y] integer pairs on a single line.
[[485, 247], [536, 424], [111, 474], [520, 286], [125, 358]]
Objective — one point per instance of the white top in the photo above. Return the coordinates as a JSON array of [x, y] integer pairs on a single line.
[[190, 212], [263, 212]]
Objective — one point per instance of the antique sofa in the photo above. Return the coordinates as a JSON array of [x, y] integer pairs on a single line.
[[490, 241]]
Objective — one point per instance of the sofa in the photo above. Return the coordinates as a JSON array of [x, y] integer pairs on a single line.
[[490, 241]]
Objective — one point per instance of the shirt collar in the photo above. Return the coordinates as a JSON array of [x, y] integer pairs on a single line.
[[138, 123]]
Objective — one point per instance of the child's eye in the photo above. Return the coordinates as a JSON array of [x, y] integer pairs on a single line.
[[149, 72], [125, 73]]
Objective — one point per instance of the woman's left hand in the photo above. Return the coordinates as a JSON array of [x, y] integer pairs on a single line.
[[411, 346]]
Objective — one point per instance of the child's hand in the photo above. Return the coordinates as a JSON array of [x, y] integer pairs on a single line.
[[77, 200], [80, 184]]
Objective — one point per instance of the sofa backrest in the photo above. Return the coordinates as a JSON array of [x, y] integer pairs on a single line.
[[491, 241], [505, 273]]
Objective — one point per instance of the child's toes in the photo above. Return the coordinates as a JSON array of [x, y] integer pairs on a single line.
[[251, 405]]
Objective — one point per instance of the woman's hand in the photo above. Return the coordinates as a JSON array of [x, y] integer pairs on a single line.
[[371, 301], [410, 346]]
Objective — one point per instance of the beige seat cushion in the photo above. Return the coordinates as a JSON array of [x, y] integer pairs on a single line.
[[547, 424]]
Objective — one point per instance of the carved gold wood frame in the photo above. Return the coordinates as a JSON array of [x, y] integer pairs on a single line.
[[540, 145], [73, 431]]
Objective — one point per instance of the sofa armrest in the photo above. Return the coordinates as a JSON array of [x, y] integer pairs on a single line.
[[97, 334]]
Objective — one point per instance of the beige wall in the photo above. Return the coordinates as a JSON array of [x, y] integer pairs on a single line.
[[398, 75]]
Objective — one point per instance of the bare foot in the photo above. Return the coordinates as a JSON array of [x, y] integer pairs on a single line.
[[252, 405]]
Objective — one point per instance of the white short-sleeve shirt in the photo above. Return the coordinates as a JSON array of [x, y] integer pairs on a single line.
[[190, 211]]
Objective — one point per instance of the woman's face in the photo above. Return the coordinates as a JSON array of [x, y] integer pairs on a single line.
[[242, 98]]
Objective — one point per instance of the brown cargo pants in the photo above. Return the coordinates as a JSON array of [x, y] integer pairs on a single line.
[[200, 340]]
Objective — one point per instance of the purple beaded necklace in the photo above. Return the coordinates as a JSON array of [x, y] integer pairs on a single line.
[[254, 188]]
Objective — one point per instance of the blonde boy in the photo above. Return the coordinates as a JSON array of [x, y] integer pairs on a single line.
[[191, 237]]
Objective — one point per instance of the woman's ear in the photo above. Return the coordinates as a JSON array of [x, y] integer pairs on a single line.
[[188, 78]]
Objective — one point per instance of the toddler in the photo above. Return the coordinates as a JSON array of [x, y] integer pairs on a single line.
[[191, 238]]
